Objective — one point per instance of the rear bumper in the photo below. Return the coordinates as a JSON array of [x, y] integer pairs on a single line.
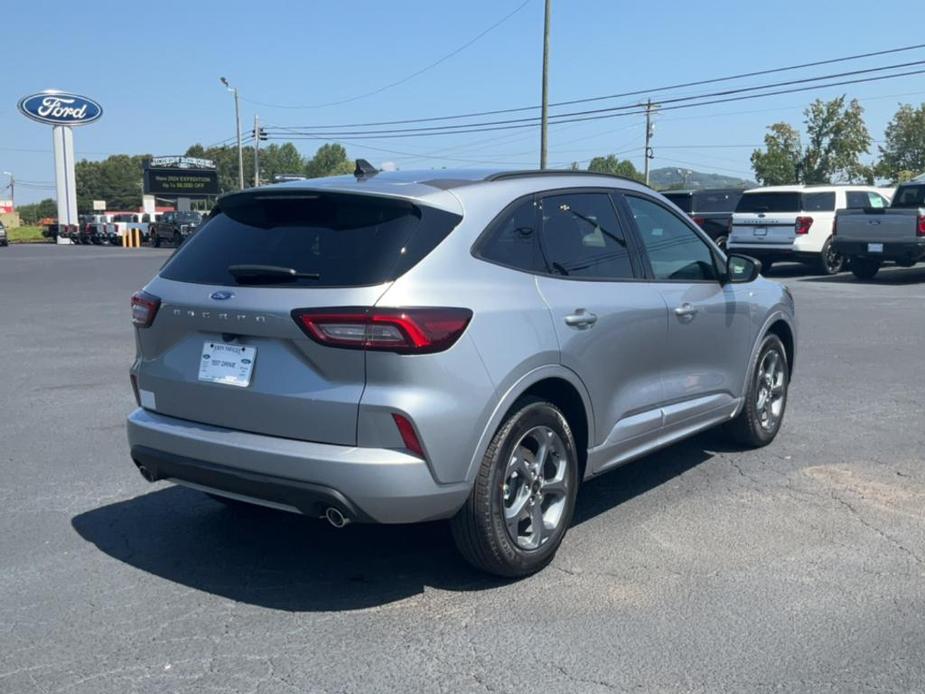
[[365, 484], [903, 251]]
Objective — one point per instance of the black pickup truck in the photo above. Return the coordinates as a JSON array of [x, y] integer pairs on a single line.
[[174, 227], [711, 209]]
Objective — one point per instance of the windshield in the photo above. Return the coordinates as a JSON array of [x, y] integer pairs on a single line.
[[909, 196], [345, 240]]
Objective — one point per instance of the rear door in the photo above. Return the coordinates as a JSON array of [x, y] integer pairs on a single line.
[[611, 324], [346, 250]]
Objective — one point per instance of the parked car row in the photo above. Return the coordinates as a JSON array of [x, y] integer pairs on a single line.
[[155, 228]]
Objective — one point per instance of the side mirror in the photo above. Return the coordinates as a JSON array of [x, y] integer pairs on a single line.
[[741, 269]]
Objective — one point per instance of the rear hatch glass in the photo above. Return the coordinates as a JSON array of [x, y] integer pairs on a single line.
[[718, 201], [329, 240]]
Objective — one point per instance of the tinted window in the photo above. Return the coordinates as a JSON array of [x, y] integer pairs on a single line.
[[909, 196], [769, 202], [675, 251], [581, 237], [189, 217], [348, 240], [513, 239], [856, 198], [683, 200], [715, 201], [818, 202]]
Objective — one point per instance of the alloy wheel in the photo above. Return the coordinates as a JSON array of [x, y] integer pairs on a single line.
[[771, 390]]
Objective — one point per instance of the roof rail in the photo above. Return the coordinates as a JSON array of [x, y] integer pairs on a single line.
[[527, 173]]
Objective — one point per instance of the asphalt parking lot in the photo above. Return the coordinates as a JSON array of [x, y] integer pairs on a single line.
[[799, 567]]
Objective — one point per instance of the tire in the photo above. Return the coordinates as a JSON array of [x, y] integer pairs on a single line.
[[506, 481], [721, 242], [830, 261], [157, 239], [759, 421], [864, 268], [177, 239]]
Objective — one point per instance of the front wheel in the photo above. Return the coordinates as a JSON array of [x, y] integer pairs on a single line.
[[831, 262], [864, 268], [524, 494], [766, 397]]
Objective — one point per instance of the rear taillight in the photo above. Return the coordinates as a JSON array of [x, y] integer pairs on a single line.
[[803, 224], [920, 228], [698, 221], [402, 330], [144, 309], [408, 436]]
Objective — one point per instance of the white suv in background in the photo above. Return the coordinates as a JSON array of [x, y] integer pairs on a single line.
[[795, 223]]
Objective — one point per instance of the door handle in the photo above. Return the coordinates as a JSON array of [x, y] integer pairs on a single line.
[[581, 319], [686, 310]]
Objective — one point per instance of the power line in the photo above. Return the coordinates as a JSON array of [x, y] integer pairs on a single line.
[[637, 92], [407, 78], [297, 134]]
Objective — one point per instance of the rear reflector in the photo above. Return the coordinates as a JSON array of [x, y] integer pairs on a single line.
[[402, 330], [408, 435], [803, 224], [144, 309], [698, 221]]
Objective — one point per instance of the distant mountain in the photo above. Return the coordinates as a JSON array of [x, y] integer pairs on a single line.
[[674, 177]]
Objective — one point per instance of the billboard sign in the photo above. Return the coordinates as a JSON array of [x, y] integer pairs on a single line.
[[181, 183]]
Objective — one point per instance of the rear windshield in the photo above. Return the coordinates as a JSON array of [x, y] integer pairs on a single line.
[[717, 201], [786, 202], [346, 240], [909, 196], [682, 200]]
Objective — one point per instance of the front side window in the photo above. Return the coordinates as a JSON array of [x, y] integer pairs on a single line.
[[581, 237], [675, 250], [513, 240]]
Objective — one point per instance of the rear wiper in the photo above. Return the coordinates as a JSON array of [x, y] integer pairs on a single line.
[[268, 274]]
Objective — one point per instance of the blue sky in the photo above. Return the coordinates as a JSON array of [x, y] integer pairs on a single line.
[[156, 73]]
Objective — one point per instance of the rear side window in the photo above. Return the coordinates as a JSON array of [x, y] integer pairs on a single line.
[[818, 202], [581, 237], [346, 240], [769, 202], [513, 240], [856, 198]]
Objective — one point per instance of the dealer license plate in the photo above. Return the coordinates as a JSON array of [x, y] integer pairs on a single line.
[[228, 364]]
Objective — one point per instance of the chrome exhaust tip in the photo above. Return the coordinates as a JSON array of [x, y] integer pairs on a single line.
[[335, 517]]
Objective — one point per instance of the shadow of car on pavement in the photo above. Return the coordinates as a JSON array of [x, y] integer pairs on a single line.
[[288, 562]]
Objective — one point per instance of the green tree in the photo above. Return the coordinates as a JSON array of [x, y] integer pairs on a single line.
[[902, 156], [280, 159], [329, 160], [836, 138], [117, 180], [779, 163], [612, 164], [32, 213]]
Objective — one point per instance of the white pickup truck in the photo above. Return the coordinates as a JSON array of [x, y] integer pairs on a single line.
[[868, 237]]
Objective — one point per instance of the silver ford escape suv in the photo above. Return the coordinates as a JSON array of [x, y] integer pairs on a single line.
[[466, 345]]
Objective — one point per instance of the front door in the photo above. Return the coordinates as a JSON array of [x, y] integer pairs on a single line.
[[709, 324]]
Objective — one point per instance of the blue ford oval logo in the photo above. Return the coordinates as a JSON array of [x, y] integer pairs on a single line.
[[60, 108], [221, 296]]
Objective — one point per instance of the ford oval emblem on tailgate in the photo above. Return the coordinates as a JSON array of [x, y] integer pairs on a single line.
[[221, 296]]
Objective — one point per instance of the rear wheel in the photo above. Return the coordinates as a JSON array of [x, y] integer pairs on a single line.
[[831, 261], [721, 242], [766, 398], [864, 268], [524, 495]]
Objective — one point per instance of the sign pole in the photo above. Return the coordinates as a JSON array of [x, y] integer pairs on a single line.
[[65, 183]]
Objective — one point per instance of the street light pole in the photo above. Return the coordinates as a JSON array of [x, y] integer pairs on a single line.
[[544, 124], [237, 124]]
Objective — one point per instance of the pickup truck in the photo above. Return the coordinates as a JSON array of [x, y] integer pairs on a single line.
[[710, 209], [869, 236]]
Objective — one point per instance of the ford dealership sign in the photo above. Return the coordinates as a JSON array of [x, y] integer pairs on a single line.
[[60, 108]]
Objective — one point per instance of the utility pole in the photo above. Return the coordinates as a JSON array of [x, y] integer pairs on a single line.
[[544, 124], [12, 188], [649, 131], [237, 123], [256, 151]]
